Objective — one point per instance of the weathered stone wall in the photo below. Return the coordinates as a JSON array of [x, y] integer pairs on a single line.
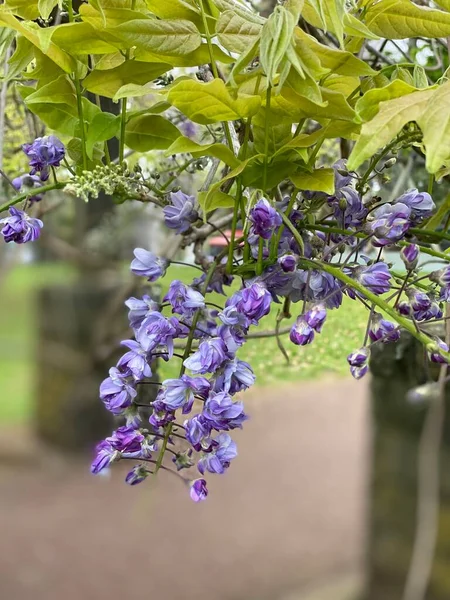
[[397, 424]]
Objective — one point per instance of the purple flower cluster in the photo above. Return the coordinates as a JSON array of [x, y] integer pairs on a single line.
[[205, 393], [20, 227]]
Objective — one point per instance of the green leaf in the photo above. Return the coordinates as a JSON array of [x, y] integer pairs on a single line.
[[402, 74], [200, 56], [60, 91], [276, 38], [175, 38], [401, 19], [320, 180], [46, 7], [434, 222], [109, 17], [337, 61], [344, 84], [175, 9], [236, 33], [327, 15], [108, 83], [81, 39], [62, 118], [369, 104], [420, 77], [185, 145], [389, 121], [208, 103], [150, 132], [104, 126], [290, 105], [23, 55], [26, 9], [32, 32], [435, 125], [355, 28], [217, 199], [75, 151]]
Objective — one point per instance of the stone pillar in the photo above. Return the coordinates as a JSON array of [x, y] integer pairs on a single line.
[[397, 424]]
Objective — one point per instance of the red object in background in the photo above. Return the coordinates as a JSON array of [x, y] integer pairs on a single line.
[[218, 241]]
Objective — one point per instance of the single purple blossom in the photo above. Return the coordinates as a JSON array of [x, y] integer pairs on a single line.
[[420, 203], [44, 152], [222, 413], [376, 278], [137, 475], [179, 393], [127, 440], [389, 223], [139, 309], [359, 358], [181, 213], [264, 219], [116, 391], [208, 358], [136, 360], [219, 459], [198, 431], [235, 376], [156, 330], [410, 256], [253, 301], [384, 330], [301, 333], [161, 415], [316, 286], [146, 264], [316, 317], [288, 263], [198, 490], [20, 227], [419, 301], [105, 454], [435, 355], [183, 299], [359, 372]]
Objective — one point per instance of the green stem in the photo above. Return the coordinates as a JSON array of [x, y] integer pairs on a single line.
[[214, 68], [430, 184], [34, 192], [266, 136], [282, 226], [233, 232], [123, 110], [79, 97]]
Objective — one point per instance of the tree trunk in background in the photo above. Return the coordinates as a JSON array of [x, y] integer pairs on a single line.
[[74, 321], [266, 7], [397, 425]]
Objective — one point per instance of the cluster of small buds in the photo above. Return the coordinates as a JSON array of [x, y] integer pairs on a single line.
[[112, 179]]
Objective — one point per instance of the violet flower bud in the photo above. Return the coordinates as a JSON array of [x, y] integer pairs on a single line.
[[288, 262], [420, 203], [181, 213], [316, 317], [264, 218], [410, 256], [433, 352], [359, 358], [384, 330], [137, 475], [198, 490], [301, 333]]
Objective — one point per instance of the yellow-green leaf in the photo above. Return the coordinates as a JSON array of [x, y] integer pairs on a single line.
[[60, 91], [82, 38], [208, 103], [356, 28], [369, 104], [108, 83], [276, 38], [320, 180], [150, 132], [46, 7], [237, 33], [176, 37], [104, 126], [175, 9], [217, 199], [31, 31], [435, 125], [26, 9], [401, 19], [389, 121], [185, 145]]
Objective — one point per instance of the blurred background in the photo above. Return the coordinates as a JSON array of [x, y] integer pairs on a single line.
[[320, 504]]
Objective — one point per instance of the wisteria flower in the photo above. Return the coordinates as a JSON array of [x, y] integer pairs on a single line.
[[253, 301], [146, 264], [420, 203], [136, 360], [208, 358], [222, 413], [384, 330], [139, 308], [44, 152], [184, 299], [316, 317], [389, 223], [156, 330], [105, 454], [181, 212], [179, 393], [264, 219], [235, 376], [219, 459], [198, 431], [20, 227], [301, 333], [410, 256], [376, 278], [138, 474], [116, 391], [198, 490]]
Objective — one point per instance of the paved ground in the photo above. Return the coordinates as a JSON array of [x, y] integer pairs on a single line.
[[288, 515]]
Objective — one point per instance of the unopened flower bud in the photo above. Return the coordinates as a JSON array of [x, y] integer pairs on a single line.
[[410, 256]]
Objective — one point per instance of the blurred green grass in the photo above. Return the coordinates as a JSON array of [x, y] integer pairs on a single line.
[[342, 333]]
